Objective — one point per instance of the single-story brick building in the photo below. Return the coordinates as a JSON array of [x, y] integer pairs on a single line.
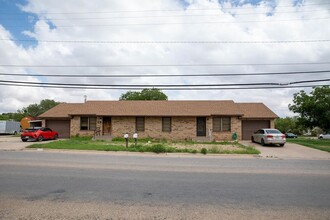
[[176, 120]]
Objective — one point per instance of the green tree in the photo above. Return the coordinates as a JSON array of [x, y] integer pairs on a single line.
[[32, 110], [145, 94], [17, 116], [12, 116], [313, 108], [35, 109], [288, 124], [47, 104], [4, 117]]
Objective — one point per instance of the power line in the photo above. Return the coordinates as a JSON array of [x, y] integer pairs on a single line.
[[164, 65], [174, 9], [165, 42], [163, 75], [175, 23], [164, 85], [165, 89]]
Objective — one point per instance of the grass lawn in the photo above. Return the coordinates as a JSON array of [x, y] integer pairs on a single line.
[[149, 145], [319, 144]]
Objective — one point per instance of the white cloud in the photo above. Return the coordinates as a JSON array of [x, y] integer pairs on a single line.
[[12, 98]]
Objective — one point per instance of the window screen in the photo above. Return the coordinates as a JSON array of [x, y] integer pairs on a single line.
[[92, 123], [225, 124], [166, 124], [221, 124], [217, 124], [88, 123], [139, 124], [83, 123]]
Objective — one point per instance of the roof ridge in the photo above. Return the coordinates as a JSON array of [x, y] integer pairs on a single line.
[[249, 103], [226, 100], [161, 108]]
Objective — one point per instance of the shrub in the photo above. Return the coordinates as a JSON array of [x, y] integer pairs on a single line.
[[118, 139], [138, 146], [146, 140], [194, 151], [158, 148], [316, 131], [81, 138], [170, 149], [204, 151], [215, 150]]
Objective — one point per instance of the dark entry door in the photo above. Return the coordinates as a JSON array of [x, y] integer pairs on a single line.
[[201, 126], [106, 125]]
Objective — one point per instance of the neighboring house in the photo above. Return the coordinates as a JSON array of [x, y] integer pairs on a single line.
[[176, 120]]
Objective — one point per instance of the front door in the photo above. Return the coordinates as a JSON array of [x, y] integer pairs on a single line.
[[201, 126], [106, 125]]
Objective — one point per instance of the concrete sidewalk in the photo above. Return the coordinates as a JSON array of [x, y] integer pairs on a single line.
[[12, 143], [290, 150]]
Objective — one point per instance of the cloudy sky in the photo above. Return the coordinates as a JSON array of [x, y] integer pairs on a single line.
[[168, 37]]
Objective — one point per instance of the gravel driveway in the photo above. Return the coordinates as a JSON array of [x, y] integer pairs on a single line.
[[290, 150]]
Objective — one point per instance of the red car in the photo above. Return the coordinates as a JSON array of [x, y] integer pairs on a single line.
[[38, 134]]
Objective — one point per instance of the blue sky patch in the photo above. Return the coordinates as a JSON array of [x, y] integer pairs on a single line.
[[12, 18]]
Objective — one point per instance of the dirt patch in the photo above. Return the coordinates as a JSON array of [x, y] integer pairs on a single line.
[[198, 147]]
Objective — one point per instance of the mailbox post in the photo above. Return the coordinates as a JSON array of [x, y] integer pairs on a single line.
[[135, 136], [126, 139]]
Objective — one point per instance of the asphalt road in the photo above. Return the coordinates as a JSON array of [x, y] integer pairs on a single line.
[[67, 185]]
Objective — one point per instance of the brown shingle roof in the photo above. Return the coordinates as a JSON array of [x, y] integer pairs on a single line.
[[62, 110], [256, 110], [157, 108]]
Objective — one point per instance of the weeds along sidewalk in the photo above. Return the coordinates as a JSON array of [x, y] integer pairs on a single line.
[[149, 145]]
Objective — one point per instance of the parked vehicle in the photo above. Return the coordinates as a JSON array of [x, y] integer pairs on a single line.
[[38, 134], [290, 135], [324, 136], [268, 136], [9, 127]]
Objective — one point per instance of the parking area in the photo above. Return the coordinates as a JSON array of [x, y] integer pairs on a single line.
[[12, 143], [290, 150]]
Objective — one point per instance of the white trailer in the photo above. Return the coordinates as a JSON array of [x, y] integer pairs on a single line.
[[9, 127]]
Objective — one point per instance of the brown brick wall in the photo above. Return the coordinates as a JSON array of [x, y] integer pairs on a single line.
[[121, 125], [182, 127]]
